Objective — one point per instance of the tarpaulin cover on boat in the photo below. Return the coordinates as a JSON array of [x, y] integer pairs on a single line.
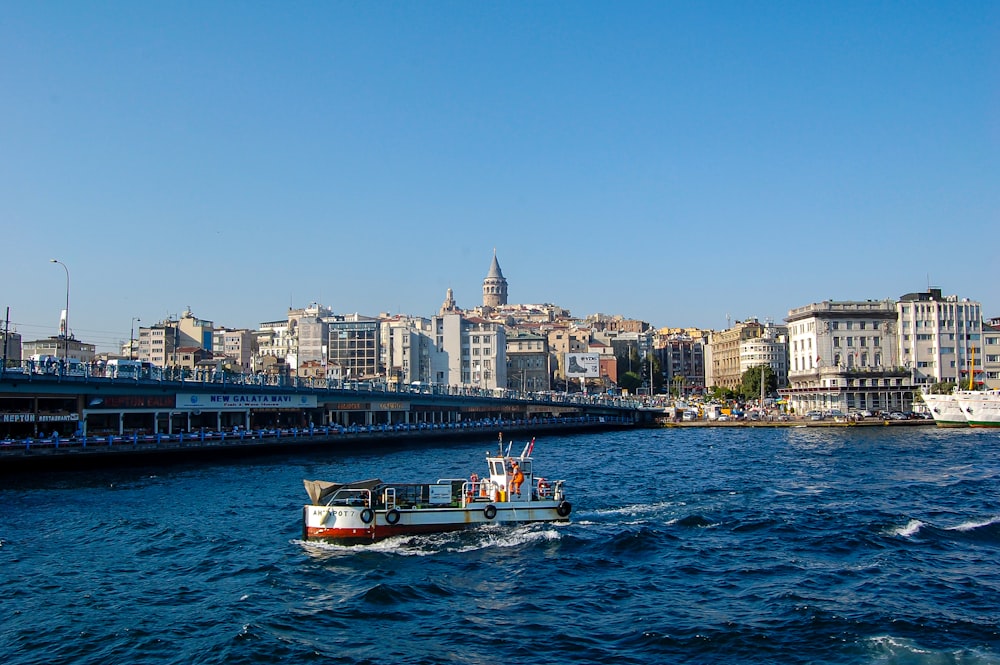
[[320, 490]]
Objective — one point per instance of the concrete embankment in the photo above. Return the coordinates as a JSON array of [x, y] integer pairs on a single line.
[[871, 422]]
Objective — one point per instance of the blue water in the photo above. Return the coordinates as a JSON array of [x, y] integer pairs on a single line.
[[860, 545]]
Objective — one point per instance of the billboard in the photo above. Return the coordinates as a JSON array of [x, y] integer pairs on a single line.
[[583, 365]]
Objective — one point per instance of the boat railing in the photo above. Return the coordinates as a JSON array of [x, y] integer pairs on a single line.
[[478, 490], [357, 498]]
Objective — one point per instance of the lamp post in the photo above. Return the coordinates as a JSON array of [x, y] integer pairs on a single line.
[[131, 338], [66, 322]]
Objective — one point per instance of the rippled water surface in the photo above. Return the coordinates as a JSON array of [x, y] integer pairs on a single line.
[[803, 545]]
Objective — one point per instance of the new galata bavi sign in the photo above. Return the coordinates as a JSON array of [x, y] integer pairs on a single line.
[[260, 401]]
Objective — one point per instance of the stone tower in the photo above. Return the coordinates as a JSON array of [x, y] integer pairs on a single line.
[[494, 286]]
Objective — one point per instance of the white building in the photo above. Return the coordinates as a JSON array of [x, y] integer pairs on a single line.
[[468, 351], [842, 355], [406, 345], [770, 349], [940, 337]]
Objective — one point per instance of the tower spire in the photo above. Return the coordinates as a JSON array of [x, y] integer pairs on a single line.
[[495, 285]]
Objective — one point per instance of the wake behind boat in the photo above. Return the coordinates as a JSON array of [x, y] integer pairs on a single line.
[[370, 510]]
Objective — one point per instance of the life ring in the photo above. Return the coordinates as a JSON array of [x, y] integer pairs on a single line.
[[392, 516], [490, 511], [367, 515], [564, 508]]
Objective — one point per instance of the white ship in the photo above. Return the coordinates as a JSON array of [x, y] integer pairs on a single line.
[[945, 410], [981, 407]]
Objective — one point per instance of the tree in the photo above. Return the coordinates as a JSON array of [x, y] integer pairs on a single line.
[[629, 381], [721, 393], [750, 382]]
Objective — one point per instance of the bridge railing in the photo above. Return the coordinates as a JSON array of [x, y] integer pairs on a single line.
[[86, 372]]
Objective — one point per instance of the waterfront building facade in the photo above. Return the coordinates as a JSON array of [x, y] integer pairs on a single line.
[[940, 338], [682, 358], [725, 369], [770, 349], [842, 356]]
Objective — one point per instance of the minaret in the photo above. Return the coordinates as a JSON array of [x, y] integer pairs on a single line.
[[495, 285]]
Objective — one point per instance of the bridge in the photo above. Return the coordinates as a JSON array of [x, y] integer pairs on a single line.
[[45, 417]]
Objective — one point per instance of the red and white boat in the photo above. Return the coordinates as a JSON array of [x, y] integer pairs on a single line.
[[370, 510]]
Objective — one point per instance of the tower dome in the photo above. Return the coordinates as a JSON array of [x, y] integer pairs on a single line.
[[495, 285]]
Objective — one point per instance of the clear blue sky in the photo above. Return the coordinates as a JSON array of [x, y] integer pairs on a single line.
[[676, 162]]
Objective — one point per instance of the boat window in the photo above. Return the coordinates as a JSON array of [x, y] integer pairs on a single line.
[[498, 469]]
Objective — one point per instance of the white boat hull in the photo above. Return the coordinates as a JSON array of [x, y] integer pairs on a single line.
[[981, 408], [347, 524], [945, 410]]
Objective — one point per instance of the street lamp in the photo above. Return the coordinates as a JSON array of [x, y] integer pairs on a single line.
[[66, 322], [131, 338]]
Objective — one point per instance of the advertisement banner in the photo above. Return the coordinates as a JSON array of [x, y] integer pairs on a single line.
[[583, 364]]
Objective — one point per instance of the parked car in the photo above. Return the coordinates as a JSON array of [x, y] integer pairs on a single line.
[[897, 415]]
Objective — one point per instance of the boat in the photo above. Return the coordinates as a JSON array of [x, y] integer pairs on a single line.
[[370, 510], [981, 407], [945, 409]]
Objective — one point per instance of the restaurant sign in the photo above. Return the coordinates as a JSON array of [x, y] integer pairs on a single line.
[[216, 401]]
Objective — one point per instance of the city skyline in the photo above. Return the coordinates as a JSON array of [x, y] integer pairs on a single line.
[[678, 164]]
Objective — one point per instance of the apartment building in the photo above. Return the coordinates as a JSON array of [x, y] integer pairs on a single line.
[[682, 357], [158, 343], [723, 368], [770, 349], [940, 338], [235, 344], [527, 360], [468, 351]]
